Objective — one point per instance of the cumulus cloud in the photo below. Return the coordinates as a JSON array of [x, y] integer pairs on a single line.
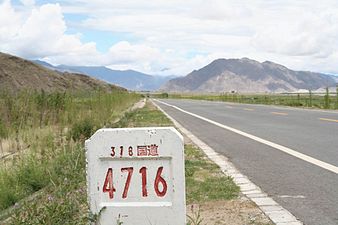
[[40, 33], [175, 37]]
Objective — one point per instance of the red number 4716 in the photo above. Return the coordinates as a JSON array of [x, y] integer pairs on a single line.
[[109, 187]]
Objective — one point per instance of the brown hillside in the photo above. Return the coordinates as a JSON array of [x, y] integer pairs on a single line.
[[246, 75], [17, 74]]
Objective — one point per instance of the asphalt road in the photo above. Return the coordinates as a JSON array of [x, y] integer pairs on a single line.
[[306, 189]]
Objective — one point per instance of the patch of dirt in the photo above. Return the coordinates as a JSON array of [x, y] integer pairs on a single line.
[[139, 105], [5, 147], [239, 211], [151, 105], [8, 147]]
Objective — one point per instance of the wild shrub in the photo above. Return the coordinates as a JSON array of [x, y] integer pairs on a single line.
[[82, 130]]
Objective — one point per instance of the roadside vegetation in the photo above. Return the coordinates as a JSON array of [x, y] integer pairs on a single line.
[[42, 165], [46, 184], [325, 100]]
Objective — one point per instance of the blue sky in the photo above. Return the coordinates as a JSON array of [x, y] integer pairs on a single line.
[[171, 36]]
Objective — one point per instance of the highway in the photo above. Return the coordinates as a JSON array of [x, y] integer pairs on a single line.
[[292, 154]]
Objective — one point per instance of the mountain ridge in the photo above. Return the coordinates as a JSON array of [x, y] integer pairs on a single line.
[[247, 75]]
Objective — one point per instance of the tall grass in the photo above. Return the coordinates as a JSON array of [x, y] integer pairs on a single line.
[[45, 132], [38, 109], [319, 100]]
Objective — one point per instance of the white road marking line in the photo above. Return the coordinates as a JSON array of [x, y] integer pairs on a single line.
[[291, 196], [248, 109], [284, 149], [330, 120], [279, 113]]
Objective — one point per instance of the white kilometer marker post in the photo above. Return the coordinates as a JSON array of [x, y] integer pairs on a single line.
[[136, 176]]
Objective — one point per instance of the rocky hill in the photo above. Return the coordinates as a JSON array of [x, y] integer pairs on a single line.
[[18, 74], [248, 76]]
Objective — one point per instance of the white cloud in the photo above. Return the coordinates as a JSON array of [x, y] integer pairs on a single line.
[[178, 35], [310, 34], [289, 31], [9, 22], [124, 55], [124, 52], [39, 34]]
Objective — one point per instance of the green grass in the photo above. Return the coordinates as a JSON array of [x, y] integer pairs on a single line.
[[64, 201], [310, 100], [204, 179]]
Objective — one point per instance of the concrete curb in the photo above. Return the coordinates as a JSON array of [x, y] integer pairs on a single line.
[[272, 209]]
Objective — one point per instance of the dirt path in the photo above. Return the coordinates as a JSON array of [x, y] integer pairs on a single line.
[[233, 212]]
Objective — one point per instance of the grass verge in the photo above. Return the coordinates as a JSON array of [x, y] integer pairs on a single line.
[[204, 179]]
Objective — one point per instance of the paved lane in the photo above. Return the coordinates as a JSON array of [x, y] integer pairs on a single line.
[[308, 191]]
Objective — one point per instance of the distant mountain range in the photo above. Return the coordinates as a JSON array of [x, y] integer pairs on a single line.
[[248, 76], [17, 74], [222, 75], [129, 79]]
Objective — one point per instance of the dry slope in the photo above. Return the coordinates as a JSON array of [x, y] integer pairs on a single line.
[[17, 74]]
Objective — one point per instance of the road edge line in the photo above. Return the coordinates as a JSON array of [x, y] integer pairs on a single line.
[[275, 212]]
